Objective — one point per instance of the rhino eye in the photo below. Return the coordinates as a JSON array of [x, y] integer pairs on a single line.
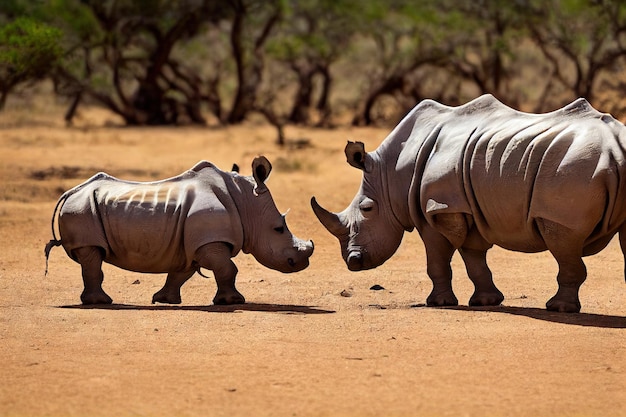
[[280, 229]]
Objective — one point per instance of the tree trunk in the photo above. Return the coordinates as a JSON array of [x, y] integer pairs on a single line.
[[323, 104], [302, 101], [249, 74], [390, 85], [276, 121], [150, 99], [240, 105], [3, 98], [71, 111]]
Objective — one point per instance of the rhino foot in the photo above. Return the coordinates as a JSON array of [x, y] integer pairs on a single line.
[[486, 299], [95, 297], [563, 306], [231, 297], [442, 299], [166, 298]]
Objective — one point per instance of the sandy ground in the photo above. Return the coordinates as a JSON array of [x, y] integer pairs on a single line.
[[299, 347]]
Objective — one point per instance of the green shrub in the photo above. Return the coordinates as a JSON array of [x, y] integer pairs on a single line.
[[28, 51]]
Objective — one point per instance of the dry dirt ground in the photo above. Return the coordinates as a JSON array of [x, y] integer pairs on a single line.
[[299, 347]]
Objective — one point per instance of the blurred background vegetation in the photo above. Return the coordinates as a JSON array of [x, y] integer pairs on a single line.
[[311, 62]]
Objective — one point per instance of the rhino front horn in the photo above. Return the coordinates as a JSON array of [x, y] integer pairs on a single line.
[[331, 221]]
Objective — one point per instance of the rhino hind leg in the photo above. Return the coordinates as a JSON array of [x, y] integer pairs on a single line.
[[216, 257], [439, 253], [567, 248], [90, 259], [170, 293], [485, 291]]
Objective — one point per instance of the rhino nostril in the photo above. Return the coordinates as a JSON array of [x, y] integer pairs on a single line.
[[291, 262]]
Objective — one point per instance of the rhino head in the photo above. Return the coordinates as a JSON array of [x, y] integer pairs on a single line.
[[267, 236], [367, 229]]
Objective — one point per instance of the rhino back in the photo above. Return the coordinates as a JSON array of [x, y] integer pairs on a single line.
[[507, 168], [149, 227]]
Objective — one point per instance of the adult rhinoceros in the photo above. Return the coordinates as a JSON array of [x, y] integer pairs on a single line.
[[199, 219], [480, 174]]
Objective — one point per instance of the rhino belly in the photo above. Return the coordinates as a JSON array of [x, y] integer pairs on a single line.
[[144, 239], [500, 210]]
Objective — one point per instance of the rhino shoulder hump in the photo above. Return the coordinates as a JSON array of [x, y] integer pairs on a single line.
[[580, 104], [482, 104], [431, 104], [202, 165], [101, 176]]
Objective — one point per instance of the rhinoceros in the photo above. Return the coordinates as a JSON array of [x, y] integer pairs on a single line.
[[198, 219], [484, 174]]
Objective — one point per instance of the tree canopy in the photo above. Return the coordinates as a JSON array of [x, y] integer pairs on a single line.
[[28, 49], [314, 62]]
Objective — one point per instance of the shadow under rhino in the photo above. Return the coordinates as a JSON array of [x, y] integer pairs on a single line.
[[232, 308], [576, 319]]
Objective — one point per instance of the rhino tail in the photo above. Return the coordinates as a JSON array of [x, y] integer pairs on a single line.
[[199, 271], [57, 242], [54, 241], [47, 250]]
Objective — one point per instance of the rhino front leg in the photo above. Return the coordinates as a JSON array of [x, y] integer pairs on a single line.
[[566, 247], [216, 257], [485, 291], [439, 253], [90, 259], [170, 293]]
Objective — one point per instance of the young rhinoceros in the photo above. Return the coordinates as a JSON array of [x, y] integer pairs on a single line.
[[199, 219], [483, 174]]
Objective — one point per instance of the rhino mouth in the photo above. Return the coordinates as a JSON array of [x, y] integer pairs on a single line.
[[294, 265], [299, 258]]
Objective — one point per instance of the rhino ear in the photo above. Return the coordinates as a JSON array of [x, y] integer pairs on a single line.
[[261, 169], [357, 157], [235, 168]]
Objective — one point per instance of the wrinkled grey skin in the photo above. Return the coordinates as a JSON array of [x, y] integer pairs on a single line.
[[199, 219], [483, 174]]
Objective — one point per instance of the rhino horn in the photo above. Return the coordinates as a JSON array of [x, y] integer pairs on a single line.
[[331, 221]]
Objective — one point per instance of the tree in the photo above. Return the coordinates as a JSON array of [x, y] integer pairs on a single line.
[[139, 59], [400, 39], [128, 59], [253, 23], [488, 59], [28, 51], [580, 40], [307, 61], [311, 38]]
